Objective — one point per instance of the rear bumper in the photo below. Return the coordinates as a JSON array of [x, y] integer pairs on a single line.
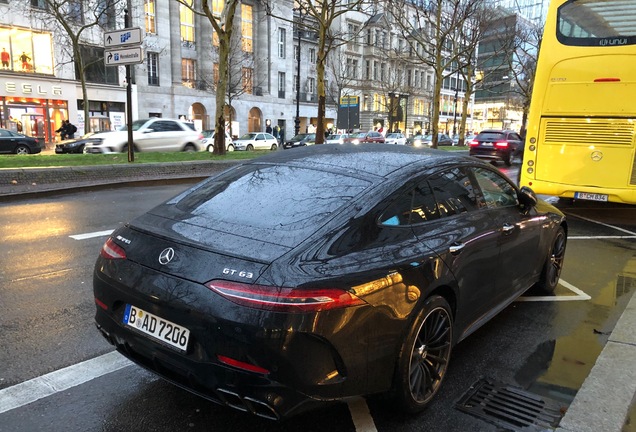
[[488, 154]]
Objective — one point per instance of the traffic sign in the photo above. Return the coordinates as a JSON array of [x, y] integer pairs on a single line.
[[122, 37], [123, 56]]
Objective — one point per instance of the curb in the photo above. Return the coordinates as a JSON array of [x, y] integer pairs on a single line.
[[604, 400], [30, 181]]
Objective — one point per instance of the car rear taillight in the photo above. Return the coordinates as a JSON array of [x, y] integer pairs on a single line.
[[242, 365], [473, 143], [284, 299], [501, 144], [112, 250]]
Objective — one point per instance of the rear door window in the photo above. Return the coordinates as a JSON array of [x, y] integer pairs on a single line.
[[455, 192]]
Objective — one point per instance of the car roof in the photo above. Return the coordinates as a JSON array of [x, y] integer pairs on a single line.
[[377, 160]]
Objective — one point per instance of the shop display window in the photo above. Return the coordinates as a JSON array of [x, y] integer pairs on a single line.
[[26, 51]]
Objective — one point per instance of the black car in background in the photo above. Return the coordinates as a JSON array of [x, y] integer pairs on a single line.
[[17, 143], [323, 273], [497, 145], [300, 140], [75, 145]]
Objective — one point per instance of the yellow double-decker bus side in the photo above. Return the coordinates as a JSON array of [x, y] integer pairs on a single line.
[[581, 135]]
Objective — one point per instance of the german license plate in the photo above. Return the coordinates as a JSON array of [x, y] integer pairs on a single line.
[[156, 327], [590, 196], [487, 144]]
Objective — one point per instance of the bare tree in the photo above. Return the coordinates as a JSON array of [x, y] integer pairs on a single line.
[[432, 33], [322, 18], [222, 22], [79, 24]]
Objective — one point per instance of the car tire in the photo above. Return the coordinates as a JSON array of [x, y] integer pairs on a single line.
[[80, 150], [553, 264], [230, 148], [424, 355], [249, 147], [189, 147], [273, 147], [210, 148], [21, 149], [508, 159]]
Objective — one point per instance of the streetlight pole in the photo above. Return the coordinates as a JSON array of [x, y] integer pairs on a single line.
[[455, 101], [297, 120]]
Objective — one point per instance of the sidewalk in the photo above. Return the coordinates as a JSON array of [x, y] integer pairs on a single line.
[[602, 404]]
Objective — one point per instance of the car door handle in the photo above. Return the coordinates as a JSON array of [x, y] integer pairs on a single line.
[[507, 228], [456, 248]]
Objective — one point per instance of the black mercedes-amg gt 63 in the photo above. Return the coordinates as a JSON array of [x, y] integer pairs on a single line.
[[303, 277]]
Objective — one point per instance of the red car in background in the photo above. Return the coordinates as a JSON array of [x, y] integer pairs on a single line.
[[365, 137]]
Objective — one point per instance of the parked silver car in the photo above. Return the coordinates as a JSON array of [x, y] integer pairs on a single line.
[[256, 141]]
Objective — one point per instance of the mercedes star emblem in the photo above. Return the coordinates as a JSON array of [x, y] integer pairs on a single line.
[[596, 156], [166, 256]]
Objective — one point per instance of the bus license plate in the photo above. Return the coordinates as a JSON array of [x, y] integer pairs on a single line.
[[590, 196], [157, 327]]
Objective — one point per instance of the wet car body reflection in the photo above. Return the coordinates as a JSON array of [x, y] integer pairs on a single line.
[[358, 282]]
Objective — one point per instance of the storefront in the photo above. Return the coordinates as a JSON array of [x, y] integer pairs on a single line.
[[34, 107]]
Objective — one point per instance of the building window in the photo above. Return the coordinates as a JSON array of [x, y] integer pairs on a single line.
[[75, 11], [26, 51], [217, 7], [281, 84], [376, 70], [282, 42], [367, 69], [247, 80], [296, 52], [149, 12], [246, 28], [187, 25], [382, 71], [39, 4], [106, 14], [311, 85], [95, 71], [352, 30], [312, 55], [152, 62], [188, 72]]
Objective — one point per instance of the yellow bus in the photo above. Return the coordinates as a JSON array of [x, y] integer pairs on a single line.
[[581, 136]]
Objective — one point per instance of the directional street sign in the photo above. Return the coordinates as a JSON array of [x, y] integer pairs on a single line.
[[123, 56], [122, 37]]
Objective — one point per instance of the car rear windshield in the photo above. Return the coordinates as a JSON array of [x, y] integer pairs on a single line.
[[269, 203], [490, 136]]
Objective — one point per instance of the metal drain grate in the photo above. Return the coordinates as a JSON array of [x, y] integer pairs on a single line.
[[510, 407]]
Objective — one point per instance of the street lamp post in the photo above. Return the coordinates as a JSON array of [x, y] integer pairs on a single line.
[[455, 102], [297, 120]]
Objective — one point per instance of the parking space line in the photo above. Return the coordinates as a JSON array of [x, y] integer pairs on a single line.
[[580, 295], [91, 235], [602, 223], [599, 237], [47, 385], [360, 415]]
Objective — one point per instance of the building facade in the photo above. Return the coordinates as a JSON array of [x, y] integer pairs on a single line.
[[272, 70]]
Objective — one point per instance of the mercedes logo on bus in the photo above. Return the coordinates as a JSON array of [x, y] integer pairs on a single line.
[[596, 156], [166, 256]]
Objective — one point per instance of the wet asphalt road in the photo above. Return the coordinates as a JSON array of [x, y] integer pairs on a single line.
[[545, 346]]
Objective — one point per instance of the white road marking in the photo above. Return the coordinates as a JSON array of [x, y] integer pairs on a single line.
[[360, 415], [580, 295], [91, 235], [599, 237], [60, 380], [604, 224]]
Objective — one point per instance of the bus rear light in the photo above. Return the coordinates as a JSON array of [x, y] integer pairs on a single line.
[[607, 80]]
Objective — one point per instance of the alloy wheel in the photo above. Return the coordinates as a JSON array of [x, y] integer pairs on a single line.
[[430, 355]]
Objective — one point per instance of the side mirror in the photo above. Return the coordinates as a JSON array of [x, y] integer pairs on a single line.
[[527, 197], [148, 131]]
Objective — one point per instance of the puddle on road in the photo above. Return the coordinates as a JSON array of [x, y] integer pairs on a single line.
[[558, 367]]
